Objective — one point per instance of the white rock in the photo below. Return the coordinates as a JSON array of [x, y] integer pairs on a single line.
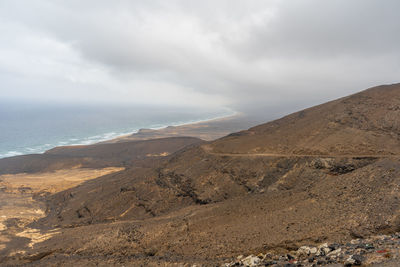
[[350, 260], [324, 245], [335, 252], [251, 261], [313, 250], [303, 250]]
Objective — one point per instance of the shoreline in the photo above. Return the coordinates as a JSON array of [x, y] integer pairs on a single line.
[[206, 130], [235, 115], [110, 137]]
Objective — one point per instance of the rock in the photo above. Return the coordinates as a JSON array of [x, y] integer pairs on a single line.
[[283, 258], [290, 257], [369, 246], [324, 245], [358, 259], [303, 250], [320, 253], [323, 249], [335, 252], [349, 261], [354, 260], [326, 250], [261, 256], [334, 246], [355, 253], [276, 257], [306, 251], [250, 260]]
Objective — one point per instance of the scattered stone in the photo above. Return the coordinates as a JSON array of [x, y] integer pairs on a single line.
[[260, 256], [358, 259], [333, 246], [306, 251], [251, 260], [357, 252], [349, 261], [313, 250], [335, 252], [290, 257]]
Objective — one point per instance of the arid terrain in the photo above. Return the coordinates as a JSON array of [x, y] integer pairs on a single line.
[[327, 174], [26, 181], [20, 194]]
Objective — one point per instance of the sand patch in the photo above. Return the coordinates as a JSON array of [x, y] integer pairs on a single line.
[[51, 182], [36, 236], [163, 154], [17, 202]]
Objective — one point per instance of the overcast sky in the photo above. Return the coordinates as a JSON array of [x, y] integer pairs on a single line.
[[211, 52]]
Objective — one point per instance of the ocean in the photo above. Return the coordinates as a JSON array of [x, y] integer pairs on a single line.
[[27, 128]]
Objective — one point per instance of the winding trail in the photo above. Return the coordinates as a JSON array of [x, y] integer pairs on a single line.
[[300, 155], [208, 151]]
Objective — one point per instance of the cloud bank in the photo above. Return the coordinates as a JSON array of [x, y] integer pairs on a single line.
[[235, 53]]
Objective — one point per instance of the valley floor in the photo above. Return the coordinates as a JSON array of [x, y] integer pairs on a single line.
[[21, 204]]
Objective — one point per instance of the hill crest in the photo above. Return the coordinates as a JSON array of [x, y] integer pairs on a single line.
[[366, 123]]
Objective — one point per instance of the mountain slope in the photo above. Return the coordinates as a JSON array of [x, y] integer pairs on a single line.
[[328, 173], [366, 123]]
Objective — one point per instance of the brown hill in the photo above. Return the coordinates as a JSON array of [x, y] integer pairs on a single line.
[[366, 123], [328, 173]]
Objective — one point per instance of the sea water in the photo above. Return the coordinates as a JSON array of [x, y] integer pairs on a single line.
[[27, 128]]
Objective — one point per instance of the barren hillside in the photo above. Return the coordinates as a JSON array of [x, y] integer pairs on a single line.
[[328, 173]]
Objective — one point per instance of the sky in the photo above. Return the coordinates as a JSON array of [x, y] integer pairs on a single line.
[[239, 54]]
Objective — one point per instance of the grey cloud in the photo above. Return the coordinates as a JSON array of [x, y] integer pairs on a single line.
[[329, 28], [242, 54]]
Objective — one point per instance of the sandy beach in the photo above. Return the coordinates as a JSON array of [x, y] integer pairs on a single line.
[[206, 130]]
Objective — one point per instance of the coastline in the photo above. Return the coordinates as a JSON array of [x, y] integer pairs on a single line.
[[208, 126], [213, 128], [210, 120]]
